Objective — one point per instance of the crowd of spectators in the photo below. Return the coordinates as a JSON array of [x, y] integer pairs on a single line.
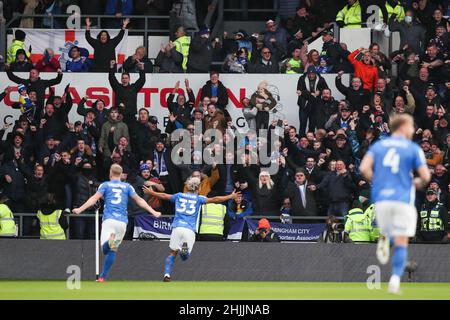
[[318, 160]]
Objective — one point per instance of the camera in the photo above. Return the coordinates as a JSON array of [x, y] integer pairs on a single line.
[[337, 227], [262, 230]]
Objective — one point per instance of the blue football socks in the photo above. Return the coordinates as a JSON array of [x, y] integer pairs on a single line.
[[399, 260], [110, 258], [169, 264]]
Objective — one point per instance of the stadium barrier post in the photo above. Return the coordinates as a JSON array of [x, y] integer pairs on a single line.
[[97, 253]]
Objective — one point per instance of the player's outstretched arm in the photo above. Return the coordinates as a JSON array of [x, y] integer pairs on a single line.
[[89, 203], [220, 199], [366, 167], [144, 205], [160, 195]]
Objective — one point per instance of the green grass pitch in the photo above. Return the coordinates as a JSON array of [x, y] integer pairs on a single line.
[[192, 290]]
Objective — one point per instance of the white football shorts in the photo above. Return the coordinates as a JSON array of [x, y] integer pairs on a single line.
[[113, 226], [395, 218], [179, 236]]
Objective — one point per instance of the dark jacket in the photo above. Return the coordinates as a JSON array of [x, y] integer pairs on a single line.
[[103, 52], [222, 94], [270, 237], [356, 99], [325, 109], [411, 34], [298, 208], [39, 85], [335, 55], [56, 124], [182, 112], [85, 187], [100, 118], [145, 141], [339, 188], [23, 66], [16, 189], [127, 95], [36, 188], [169, 64], [130, 66], [259, 67], [306, 100], [266, 201], [200, 55]]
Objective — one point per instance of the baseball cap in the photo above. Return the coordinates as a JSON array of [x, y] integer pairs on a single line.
[[153, 119], [270, 22], [425, 141], [311, 69], [263, 224], [242, 33], [431, 191], [341, 137], [21, 87], [329, 33], [204, 30]]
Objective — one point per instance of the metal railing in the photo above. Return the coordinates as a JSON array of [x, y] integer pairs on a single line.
[[98, 19], [19, 219]]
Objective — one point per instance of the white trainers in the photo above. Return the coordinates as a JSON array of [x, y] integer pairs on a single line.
[[394, 285], [383, 249]]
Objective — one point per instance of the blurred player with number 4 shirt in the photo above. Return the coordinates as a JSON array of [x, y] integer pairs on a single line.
[[390, 164]]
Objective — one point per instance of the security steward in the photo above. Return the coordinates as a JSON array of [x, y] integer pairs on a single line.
[[433, 219], [358, 225], [52, 221], [7, 224], [214, 223], [350, 15]]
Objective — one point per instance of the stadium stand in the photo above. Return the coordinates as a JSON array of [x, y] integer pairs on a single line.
[[324, 84]]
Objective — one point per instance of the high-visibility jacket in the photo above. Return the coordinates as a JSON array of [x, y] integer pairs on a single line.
[[370, 213], [295, 66], [358, 225], [182, 45], [50, 227], [398, 10], [351, 16], [430, 220], [7, 224], [212, 218], [16, 45]]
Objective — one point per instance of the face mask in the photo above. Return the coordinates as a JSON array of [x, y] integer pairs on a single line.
[[408, 19]]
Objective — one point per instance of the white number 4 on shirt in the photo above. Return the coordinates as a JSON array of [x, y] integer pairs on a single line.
[[392, 160]]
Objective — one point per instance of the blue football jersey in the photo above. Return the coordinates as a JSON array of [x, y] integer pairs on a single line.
[[187, 210], [395, 159], [116, 193]]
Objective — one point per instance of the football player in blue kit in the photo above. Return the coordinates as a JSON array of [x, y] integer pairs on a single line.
[[115, 217], [186, 222], [390, 164]]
